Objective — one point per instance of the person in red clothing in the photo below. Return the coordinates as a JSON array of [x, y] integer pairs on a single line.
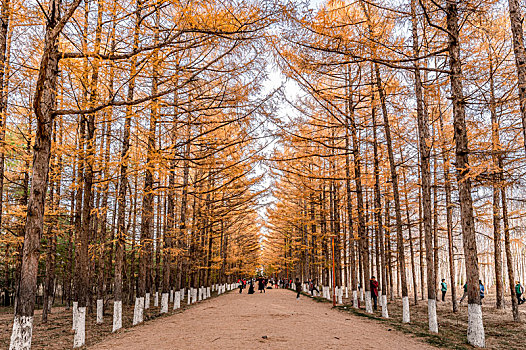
[[374, 292]]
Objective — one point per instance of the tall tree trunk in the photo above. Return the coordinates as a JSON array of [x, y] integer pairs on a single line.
[[396, 198], [378, 217], [475, 334], [435, 214], [123, 186], [50, 258], [449, 215], [421, 241], [4, 59], [509, 258], [517, 32], [425, 173], [147, 214], [496, 149], [363, 241], [408, 216], [44, 105]]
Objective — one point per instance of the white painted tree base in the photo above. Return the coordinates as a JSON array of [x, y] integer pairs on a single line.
[[189, 296], [368, 304], [147, 301], [355, 298], [75, 309], [79, 339], [383, 302], [476, 335], [22, 333], [100, 311], [177, 300], [156, 299], [432, 315], [208, 292], [138, 311], [171, 296], [164, 302], [346, 293], [194, 296], [406, 314], [117, 315]]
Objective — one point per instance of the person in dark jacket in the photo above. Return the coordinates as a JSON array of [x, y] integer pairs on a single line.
[[464, 296], [374, 292], [261, 285], [298, 288], [312, 287], [251, 288]]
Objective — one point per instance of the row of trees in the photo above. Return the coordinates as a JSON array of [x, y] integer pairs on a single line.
[[403, 155], [129, 140]]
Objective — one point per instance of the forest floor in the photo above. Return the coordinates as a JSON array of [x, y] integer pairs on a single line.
[[274, 320], [500, 330], [56, 334]]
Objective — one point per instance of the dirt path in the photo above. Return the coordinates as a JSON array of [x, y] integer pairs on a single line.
[[235, 321]]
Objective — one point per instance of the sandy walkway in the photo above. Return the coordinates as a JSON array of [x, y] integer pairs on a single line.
[[235, 321]]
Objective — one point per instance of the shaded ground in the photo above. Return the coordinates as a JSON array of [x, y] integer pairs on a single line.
[[501, 331], [56, 334], [275, 320]]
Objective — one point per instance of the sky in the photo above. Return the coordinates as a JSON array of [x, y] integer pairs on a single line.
[[292, 91]]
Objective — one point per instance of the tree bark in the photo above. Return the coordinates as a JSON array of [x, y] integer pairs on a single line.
[[520, 57], [475, 335], [425, 176], [4, 58], [44, 105], [449, 215]]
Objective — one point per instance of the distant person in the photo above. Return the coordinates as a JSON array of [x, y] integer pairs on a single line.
[[261, 285], [481, 287], [519, 290], [374, 292], [312, 287], [465, 293], [240, 286], [443, 288], [251, 288], [298, 288]]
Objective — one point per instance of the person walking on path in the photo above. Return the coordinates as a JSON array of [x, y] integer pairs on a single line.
[[312, 287], [519, 290], [481, 286], [261, 285], [443, 288], [241, 285], [465, 293], [374, 292], [298, 288]]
